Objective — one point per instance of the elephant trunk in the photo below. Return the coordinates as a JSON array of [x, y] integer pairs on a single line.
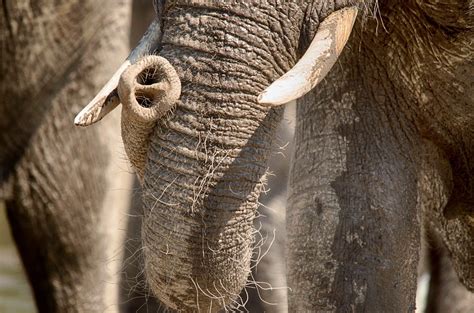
[[207, 161], [204, 175]]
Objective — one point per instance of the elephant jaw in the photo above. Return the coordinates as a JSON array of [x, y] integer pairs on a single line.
[[321, 55]]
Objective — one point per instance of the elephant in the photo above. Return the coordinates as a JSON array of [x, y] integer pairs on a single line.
[[68, 190], [268, 293], [382, 146], [64, 189], [197, 247]]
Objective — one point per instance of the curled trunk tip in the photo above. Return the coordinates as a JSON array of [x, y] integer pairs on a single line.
[[147, 90]]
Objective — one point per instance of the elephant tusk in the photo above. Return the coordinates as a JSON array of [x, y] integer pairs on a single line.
[[321, 55], [107, 99]]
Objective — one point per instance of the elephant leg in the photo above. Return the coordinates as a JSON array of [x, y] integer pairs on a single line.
[[63, 205], [67, 230], [352, 221]]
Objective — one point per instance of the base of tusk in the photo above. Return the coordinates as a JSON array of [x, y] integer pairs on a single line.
[[313, 66]]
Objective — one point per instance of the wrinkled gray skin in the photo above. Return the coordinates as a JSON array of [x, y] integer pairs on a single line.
[[57, 181], [384, 145], [207, 159], [270, 270], [362, 159]]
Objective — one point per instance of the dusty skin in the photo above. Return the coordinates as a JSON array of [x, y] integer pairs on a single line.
[[382, 163]]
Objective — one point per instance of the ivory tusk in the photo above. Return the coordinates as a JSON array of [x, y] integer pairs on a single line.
[[107, 99], [321, 55]]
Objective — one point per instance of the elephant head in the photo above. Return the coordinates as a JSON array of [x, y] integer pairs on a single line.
[[198, 126]]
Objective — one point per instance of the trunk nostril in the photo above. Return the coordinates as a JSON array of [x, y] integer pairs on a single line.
[[145, 98], [149, 88], [144, 101]]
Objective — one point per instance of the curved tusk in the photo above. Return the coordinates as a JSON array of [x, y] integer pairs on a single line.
[[107, 99], [321, 55]]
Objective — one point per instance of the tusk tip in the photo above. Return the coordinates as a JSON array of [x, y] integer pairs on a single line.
[[84, 118], [81, 120], [267, 100], [276, 95], [78, 120], [263, 99], [97, 109]]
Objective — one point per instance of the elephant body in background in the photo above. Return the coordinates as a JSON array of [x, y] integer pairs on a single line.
[[384, 152], [66, 190]]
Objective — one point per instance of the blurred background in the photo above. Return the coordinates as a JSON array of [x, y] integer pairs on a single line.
[[15, 293]]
